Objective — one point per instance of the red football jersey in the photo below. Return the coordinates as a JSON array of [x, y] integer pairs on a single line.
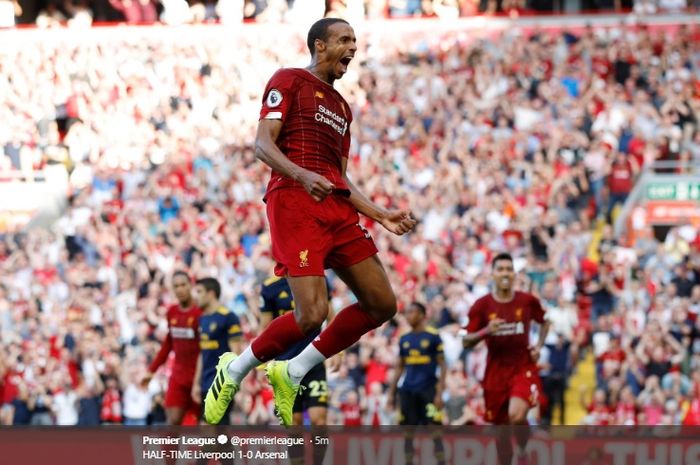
[[183, 339], [316, 121], [352, 415], [508, 348]]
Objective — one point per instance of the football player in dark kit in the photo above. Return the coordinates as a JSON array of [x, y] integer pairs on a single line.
[[420, 395], [219, 332]]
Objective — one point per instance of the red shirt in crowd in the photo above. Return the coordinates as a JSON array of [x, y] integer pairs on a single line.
[[692, 416], [352, 416], [600, 414], [626, 413], [111, 411], [620, 180]]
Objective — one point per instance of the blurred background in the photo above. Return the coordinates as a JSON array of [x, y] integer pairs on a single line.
[[46, 13], [571, 142]]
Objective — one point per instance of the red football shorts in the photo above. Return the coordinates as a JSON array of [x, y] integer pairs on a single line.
[[179, 394], [309, 236], [525, 385]]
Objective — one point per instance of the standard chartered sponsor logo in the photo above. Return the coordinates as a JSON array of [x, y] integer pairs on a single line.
[[182, 333], [508, 329], [332, 119]]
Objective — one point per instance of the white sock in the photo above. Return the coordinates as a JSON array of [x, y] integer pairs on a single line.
[[242, 365], [303, 363]]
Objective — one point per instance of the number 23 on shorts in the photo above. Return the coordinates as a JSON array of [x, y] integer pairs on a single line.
[[318, 389]]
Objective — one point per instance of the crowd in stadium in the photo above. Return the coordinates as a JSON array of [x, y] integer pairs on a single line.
[[522, 145], [82, 13]]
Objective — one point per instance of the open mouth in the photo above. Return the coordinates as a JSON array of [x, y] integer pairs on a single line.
[[346, 60]]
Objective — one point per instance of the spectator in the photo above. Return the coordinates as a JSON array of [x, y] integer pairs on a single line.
[[351, 409], [40, 404], [65, 405], [51, 16], [620, 181], [22, 412], [555, 371], [89, 403], [9, 10], [137, 402], [111, 412]]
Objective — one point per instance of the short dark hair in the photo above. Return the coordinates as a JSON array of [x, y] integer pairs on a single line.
[[210, 285], [181, 273], [501, 256], [319, 30], [421, 308]]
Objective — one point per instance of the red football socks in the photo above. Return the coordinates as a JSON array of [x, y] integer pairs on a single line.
[[346, 329], [281, 333]]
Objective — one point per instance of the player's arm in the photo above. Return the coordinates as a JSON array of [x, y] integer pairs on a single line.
[[473, 337], [397, 221], [162, 355], [197, 381], [677, 348], [544, 330], [539, 317], [99, 385], [535, 351], [266, 150]]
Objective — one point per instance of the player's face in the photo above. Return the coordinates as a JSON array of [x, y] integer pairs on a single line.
[[504, 274], [413, 316], [182, 288], [341, 46], [201, 297]]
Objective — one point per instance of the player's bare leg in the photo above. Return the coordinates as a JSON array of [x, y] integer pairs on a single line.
[[174, 415], [370, 284], [317, 415], [311, 301], [517, 415]]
